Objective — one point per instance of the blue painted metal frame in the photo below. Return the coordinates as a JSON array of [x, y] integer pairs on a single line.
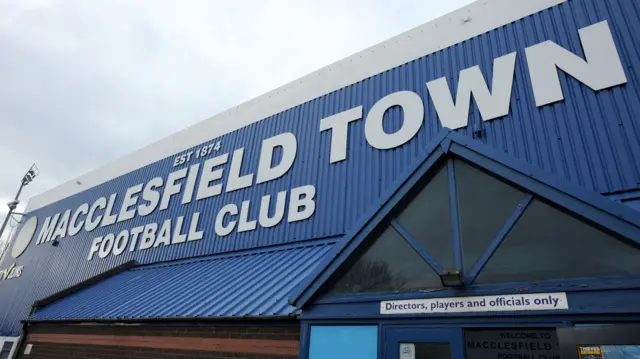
[[587, 204], [511, 221], [558, 321], [564, 285], [433, 263], [593, 207], [455, 217], [555, 321], [305, 341], [616, 303], [368, 223], [625, 196]]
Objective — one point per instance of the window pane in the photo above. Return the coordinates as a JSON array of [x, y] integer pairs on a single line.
[[621, 351], [484, 203], [511, 343], [389, 265], [6, 349], [549, 244], [343, 342], [428, 219], [425, 351]]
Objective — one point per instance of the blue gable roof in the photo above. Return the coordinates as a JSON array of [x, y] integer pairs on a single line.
[[615, 217]]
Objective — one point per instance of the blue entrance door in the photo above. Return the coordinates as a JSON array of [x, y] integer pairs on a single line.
[[423, 343]]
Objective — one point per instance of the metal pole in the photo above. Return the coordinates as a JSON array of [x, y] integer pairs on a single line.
[[7, 218]]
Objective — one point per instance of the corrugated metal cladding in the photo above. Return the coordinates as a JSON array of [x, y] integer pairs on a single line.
[[590, 139], [243, 285]]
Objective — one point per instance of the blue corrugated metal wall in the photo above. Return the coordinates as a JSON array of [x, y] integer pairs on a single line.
[[590, 139]]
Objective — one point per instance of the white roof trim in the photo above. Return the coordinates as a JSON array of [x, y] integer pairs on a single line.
[[460, 25]]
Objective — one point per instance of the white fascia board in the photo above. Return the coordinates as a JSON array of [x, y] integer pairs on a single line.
[[460, 25]]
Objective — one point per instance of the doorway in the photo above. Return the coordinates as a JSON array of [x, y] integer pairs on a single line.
[[423, 343]]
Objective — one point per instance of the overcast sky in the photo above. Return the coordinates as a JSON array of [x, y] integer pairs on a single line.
[[85, 82]]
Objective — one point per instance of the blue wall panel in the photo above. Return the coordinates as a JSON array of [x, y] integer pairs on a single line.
[[591, 139], [343, 342]]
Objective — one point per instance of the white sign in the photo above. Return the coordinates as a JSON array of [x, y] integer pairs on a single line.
[[27, 349], [407, 351], [493, 303]]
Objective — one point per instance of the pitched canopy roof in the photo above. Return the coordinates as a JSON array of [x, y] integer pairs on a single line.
[[240, 285]]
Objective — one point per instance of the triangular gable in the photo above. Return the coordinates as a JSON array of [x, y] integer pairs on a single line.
[[614, 217]]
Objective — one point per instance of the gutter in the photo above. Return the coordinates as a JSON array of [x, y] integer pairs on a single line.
[[161, 319]]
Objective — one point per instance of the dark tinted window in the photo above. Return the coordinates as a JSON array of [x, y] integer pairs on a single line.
[[6, 349], [484, 204], [428, 219], [549, 244], [388, 265], [511, 343]]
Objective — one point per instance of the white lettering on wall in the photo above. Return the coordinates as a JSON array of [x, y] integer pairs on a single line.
[[109, 218], [93, 221], [106, 245], [130, 199], [209, 174], [47, 229], [151, 195], [194, 233], [148, 236], [339, 126], [492, 104], [302, 204], [171, 188], [413, 111], [278, 213], [74, 226], [190, 184], [95, 245], [220, 228], [164, 235], [120, 243], [600, 69], [245, 224], [135, 232], [235, 181], [178, 237], [61, 228], [289, 149]]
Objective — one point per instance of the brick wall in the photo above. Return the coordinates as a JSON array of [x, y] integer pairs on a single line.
[[251, 341]]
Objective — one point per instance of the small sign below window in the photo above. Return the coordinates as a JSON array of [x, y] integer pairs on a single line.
[[407, 351], [590, 351], [27, 349], [492, 303], [609, 351], [512, 343]]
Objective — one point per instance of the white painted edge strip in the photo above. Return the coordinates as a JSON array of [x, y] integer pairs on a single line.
[[460, 25]]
